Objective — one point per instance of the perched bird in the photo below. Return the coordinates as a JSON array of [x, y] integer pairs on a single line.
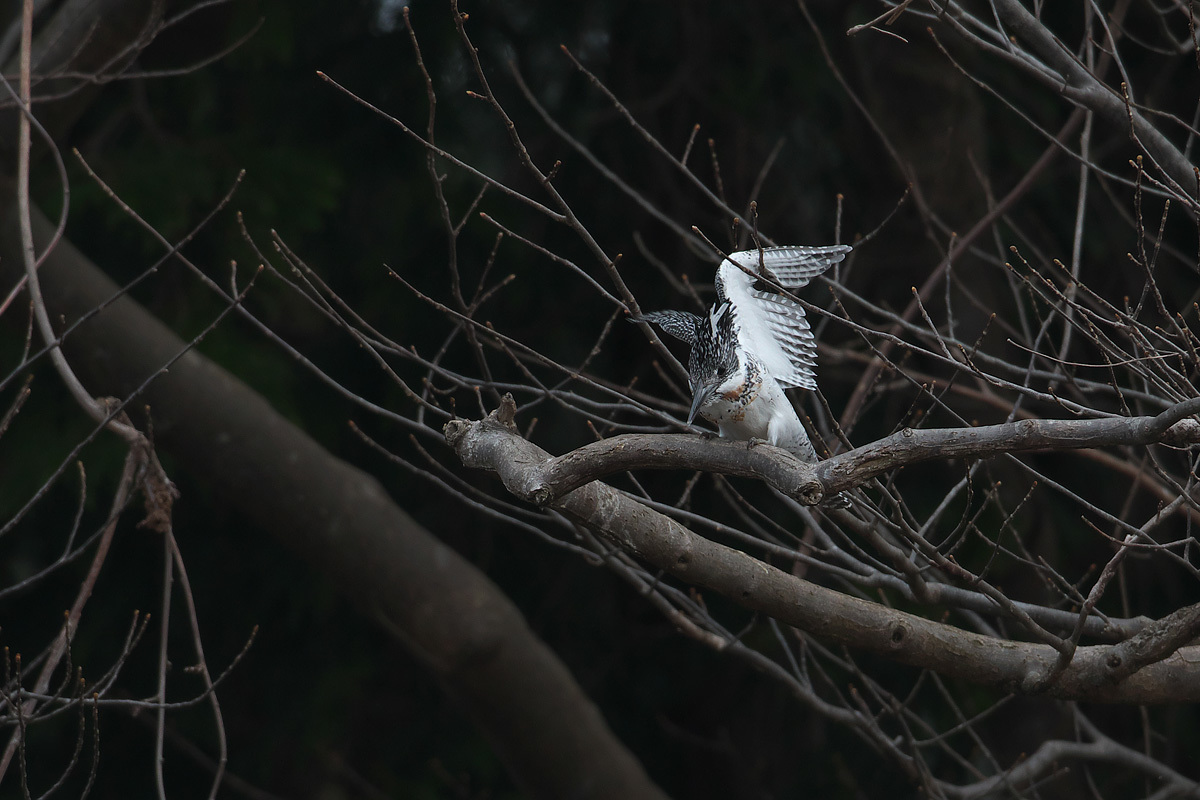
[[754, 343]]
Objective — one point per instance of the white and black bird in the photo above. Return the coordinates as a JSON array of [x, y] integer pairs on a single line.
[[754, 343]]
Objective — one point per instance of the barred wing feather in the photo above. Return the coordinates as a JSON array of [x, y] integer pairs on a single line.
[[793, 266], [771, 325], [680, 324]]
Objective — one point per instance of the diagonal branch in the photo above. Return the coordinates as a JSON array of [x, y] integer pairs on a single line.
[[444, 610], [1085, 90], [1156, 641], [809, 484], [495, 445], [910, 446]]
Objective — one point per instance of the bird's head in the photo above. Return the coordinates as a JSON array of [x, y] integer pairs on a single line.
[[714, 356]]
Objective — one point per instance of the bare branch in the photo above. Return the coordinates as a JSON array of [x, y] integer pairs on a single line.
[[494, 444]]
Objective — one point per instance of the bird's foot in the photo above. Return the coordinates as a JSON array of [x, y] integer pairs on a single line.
[[838, 501], [754, 442]]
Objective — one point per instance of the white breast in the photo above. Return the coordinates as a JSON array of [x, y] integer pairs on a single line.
[[752, 405]]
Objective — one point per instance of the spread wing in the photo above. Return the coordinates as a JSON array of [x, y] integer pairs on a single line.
[[680, 324], [793, 267], [770, 325]]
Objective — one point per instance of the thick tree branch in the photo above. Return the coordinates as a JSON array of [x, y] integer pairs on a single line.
[[770, 464], [342, 521], [911, 446], [494, 444], [1083, 89], [809, 484], [1154, 643]]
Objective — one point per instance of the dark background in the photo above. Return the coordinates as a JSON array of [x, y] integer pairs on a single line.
[[325, 704]]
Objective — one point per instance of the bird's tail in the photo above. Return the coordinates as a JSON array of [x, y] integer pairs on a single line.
[[802, 449]]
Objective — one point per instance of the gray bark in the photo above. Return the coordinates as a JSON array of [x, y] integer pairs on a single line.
[[1097, 673], [448, 613]]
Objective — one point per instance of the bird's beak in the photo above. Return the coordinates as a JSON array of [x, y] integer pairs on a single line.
[[702, 393]]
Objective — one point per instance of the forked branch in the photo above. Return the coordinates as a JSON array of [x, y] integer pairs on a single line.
[[545, 481], [1097, 673]]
